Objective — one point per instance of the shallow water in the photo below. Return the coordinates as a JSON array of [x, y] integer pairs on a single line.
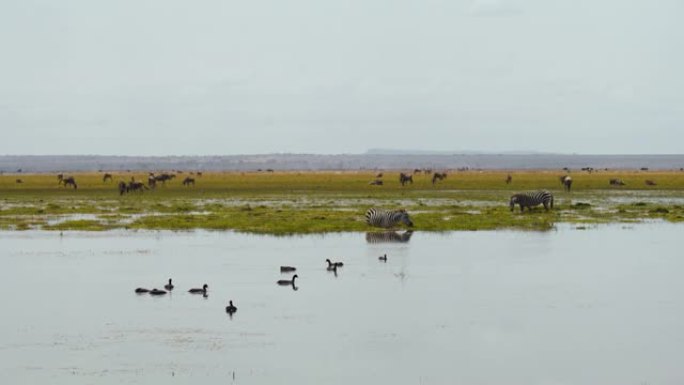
[[601, 306]]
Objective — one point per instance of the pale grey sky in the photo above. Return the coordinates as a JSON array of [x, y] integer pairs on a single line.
[[157, 77]]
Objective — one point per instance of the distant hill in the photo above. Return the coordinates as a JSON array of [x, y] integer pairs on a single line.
[[71, 163], [391, 151]]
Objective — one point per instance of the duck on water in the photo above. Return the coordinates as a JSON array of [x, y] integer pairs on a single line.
[[285, 282], [203, 290]]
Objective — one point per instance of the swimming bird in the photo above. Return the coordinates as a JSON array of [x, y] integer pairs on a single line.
[[337, 264], [285, 282], [230, 309], [287, 269], [195, 290], [142, 290], [169, 286], [157, 292], [383, 257]]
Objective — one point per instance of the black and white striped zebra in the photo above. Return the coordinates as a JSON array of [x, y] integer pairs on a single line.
[[389, 237], [531, 199], [387, 218]]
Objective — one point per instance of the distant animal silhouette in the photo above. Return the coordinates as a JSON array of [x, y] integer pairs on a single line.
[[616, 182], [509, 179], [566, 181], [376, 182], [404, 178], [19, 181], [650, 182], [438, 176], [188, 181], [69, 181], [107, 177]]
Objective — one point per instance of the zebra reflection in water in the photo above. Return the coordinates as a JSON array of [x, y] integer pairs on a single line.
[[389, 237]]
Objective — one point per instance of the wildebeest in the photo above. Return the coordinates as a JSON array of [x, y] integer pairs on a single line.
[[188, 181], [122, 187], [438, 176], [59, 178], [376, 182], [650, 182], [69, 180], [107, 176], [566, 181], [379, 175], [404, 178], [164, 177], [136, 186], [616, 182], [19, 181], [152, 181], [509, 179]]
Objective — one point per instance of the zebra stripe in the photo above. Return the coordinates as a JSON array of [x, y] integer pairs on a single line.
[[389, 237], [531, 199], [387, 218]]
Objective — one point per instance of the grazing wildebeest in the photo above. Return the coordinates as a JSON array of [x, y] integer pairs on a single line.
[[616, 182], [438, 176], [187, 181], [417, 171], [107, 176], [379, 175], [59, 178], [199, 173], [164, 177], [566, 181], [19, 181], [376, 182], [509, 179], [650, 182], [269, 170], [644, 169], [122, 187], [70, 181], [403, 179], [136, 186], [152, 181]]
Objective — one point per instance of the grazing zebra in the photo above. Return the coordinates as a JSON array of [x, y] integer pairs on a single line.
[[187, 181], [438, 176], [404, 178], [389, 237], [376, 182], [566, 181], [531, 199], [106, 176], [616, 182], [509, 179], [387, 218], [69, 181], [650, 182]]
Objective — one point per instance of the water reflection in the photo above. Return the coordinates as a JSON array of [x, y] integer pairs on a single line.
[[388, 237]]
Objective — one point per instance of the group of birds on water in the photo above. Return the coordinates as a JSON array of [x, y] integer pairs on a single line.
[[231, 309]]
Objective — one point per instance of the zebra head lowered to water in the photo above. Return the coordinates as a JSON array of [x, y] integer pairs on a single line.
[[531, 199], [387, 218]]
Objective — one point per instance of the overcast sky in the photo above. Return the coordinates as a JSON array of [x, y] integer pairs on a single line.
[[158, 77]]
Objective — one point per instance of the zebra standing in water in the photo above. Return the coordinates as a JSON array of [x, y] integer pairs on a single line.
[[387, 218], [531, 199]]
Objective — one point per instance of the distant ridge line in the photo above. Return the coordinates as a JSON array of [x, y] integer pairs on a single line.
[[74, 163]]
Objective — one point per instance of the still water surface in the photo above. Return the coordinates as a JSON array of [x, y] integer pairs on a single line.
[[601, 306]]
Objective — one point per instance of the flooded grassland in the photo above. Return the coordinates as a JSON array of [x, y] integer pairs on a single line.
[[316, 202]]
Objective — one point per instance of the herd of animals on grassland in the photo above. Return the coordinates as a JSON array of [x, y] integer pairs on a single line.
[[374, 217]]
